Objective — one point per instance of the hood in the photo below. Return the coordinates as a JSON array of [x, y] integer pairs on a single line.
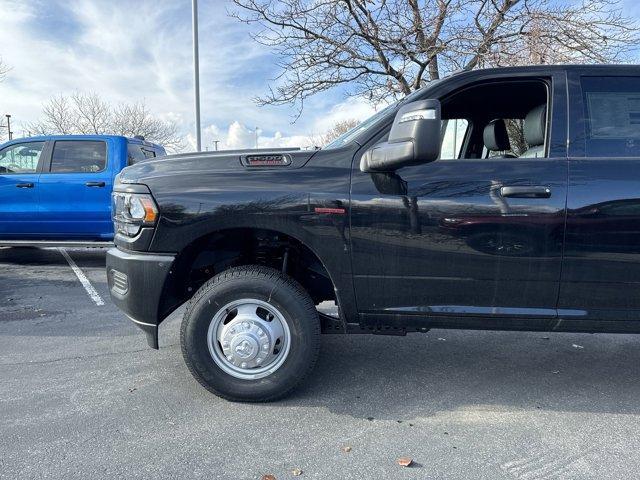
[[207, 162]]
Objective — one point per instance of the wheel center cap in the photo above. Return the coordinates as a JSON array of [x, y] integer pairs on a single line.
[[245, 349]]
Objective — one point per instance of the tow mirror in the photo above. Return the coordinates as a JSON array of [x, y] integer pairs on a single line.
[[414, 138]]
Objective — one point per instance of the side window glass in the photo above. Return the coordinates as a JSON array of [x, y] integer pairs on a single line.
[[455, 131], [612, 116], [148, 153], [136, 153], [21, 158], [80, 156]]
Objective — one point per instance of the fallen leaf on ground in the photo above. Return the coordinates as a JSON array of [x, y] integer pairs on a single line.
[[296, 472], [346, 449], [268, 477], [404, 461], [577, 346]]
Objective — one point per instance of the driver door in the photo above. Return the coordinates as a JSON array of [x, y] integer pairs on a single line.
[[449, 239], [20, 167]]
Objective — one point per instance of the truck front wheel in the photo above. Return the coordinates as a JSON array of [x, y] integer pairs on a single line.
[[250, 334]]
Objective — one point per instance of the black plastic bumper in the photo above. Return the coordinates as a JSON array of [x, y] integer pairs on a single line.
[[136, 281]]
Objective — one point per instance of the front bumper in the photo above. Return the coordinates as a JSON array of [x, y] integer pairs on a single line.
[[135, 282]]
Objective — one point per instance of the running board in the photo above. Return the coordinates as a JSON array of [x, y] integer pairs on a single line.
[[54, 243]]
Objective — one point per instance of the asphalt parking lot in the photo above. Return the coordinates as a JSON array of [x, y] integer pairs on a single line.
[[81, 396]]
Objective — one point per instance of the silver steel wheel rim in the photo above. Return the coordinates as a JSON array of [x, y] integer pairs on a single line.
[[249, 339]]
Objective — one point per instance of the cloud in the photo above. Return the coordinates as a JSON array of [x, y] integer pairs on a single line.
[[237, 135]]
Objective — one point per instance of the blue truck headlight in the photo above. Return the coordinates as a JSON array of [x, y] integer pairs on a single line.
[[132, 211]]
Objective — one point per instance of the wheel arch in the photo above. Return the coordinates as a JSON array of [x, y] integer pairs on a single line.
[[225, 248]]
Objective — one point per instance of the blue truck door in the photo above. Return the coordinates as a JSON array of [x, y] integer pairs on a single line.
[[20, 166], [75, 190]]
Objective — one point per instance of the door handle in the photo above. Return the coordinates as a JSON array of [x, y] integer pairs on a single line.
[[95, 184], [526, 192], [25, 185]]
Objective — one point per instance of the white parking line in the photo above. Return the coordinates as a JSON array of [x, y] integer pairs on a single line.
[[95, 296]]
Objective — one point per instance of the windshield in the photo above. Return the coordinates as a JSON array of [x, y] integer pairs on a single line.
[[351, 134], [354, 132]]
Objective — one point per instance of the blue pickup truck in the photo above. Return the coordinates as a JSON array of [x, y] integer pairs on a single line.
[[57, 189]]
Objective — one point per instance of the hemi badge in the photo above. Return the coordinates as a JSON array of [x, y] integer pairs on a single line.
[[338, 211], [266, 160]]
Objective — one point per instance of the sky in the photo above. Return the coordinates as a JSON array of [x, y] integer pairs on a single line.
[[132, 50]]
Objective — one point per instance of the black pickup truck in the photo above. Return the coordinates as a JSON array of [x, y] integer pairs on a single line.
[[504, 199]]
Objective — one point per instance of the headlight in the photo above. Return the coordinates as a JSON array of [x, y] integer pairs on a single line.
[[132, 211]]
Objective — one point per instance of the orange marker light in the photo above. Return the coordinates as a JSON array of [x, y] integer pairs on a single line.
[[150, 212]]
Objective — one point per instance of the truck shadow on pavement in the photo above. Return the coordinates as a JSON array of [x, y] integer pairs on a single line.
[[32, 256], [403, 379]]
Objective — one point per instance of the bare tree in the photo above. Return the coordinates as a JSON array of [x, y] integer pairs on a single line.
[[4, 69], [91, 114], [59, 117], [134, 119], [337, 129], [83, 113], [515, 131], [393, 47]]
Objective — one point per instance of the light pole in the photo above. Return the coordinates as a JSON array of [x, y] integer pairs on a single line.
[[9, 126], [196, 74]]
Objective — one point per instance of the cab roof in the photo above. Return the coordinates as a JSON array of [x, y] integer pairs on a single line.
[[44, 138], [600, 69]]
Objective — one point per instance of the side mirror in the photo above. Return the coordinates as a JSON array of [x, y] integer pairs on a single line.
[[414, 138]]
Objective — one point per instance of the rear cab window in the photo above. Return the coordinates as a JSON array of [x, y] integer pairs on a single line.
[[78, 156], [612, 116], [137, 152]]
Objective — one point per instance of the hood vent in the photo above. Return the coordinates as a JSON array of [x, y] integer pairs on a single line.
[[266, 160]]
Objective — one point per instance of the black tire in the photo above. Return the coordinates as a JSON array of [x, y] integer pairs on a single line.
[[278, 290]]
